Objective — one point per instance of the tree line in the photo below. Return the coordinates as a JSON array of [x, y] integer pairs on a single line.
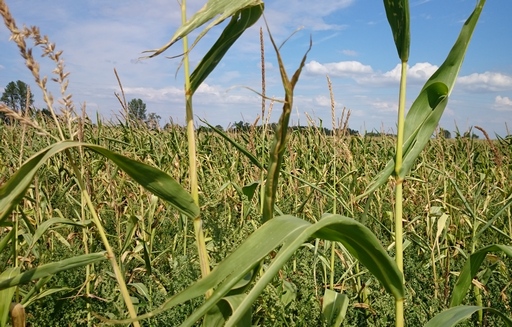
[[17, 96]]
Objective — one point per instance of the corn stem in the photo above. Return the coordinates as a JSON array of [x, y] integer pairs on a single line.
[[194, 189], [399, 305]]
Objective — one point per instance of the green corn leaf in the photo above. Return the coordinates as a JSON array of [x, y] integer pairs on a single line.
[[142, 290], [5, 240], [215, 10], [470, 270], [453, 316], [290, 233], [152, 179], [55, 221], [281, 134], [52, 268], [334, 307], [426, 111], [240, 21], [397, 12], [238, 146], [44, 294], [6, 294], [218, 315]]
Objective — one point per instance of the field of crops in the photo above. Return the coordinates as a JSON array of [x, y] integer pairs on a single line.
[[454, 201], [259, 225]]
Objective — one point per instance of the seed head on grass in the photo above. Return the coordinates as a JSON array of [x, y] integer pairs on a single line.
[[19, 36]]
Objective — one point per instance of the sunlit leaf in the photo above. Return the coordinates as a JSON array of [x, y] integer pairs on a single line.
[[239, 22], [281, 134], [471, 268], [45, 225], [152, 179], [215, 10], [334, 307], [52, 268], [237, 145], [218, 315], [290, 233], [453, 316], [426, 111]]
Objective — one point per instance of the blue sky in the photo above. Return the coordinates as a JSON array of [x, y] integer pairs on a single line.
[[352, 43]]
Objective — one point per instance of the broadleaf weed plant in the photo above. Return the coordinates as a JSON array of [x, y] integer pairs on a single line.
[[241, 274]]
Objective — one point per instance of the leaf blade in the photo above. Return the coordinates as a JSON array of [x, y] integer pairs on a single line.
[[52, 268]]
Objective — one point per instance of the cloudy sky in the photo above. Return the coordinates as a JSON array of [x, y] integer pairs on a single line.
[[352, 43]]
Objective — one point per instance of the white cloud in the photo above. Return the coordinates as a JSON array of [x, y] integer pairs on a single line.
[[364, 74], [419, 72], [502, 103], [154, 94], [488, 81], [342, 68]]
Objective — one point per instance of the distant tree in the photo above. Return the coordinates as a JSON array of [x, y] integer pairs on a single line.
[[468, 135], [373, 134], [353, 132], [137, 110], [153, 121], [445, 133], [15, 96], [241, 126]]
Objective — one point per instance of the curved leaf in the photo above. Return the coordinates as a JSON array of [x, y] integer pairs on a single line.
[[291, 233], [218, 315], [426, 111], [55, 221], [239, 147], [223, 9], [334, 307], [52, 268], [455, 315], [152, 179], [240, 21], [470, 270]]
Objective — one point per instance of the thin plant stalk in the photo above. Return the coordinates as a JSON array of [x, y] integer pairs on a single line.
[[194, 189], [399, 303], [263, 122], [103, 235], [334, 202]]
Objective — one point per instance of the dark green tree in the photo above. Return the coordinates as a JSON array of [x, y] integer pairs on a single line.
[[137, 110], [15, 96]]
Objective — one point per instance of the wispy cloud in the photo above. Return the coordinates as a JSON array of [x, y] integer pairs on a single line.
[[351, 53]]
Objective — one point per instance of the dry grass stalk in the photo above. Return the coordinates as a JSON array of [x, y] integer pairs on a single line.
[[497, 157], [25, 120], [19, 37], [262, 47]]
